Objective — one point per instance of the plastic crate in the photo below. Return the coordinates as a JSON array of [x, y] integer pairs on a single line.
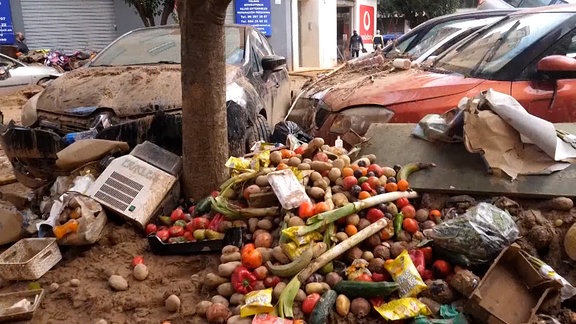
[[29, 259], [9, 299]]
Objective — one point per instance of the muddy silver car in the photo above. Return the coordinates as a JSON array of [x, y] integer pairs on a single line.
[[131, 92]]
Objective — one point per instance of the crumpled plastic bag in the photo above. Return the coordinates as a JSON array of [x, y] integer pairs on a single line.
[[285, 128], [479, 235]]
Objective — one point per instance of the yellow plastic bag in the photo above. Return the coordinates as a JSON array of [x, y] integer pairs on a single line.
[[292, 250], [404, 273], [292, 234], [257, 302], [402, 308]]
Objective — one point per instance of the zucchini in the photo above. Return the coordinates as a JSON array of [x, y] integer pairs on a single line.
[[353, 289], [203, 206], [322, 309]]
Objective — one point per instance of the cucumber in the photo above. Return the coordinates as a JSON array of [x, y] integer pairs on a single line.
[[353, 289], [203, 206], [322, 309]]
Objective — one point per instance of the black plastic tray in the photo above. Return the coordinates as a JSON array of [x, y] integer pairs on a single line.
[[234, 236]]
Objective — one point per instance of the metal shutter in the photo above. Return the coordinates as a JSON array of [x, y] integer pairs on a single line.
[[68, 24], [230, 17]]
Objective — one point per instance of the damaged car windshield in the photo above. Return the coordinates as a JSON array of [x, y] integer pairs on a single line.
[[491, 50], [162, 46]]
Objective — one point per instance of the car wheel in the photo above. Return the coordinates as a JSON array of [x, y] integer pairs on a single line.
[[262, 129]]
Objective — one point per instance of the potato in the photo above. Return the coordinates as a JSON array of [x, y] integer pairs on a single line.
[[360, 307], [319, 249], [320, 166], [237, 299], [277, 291], [353, 219], [321, 184], [404, 236], [373, 240], [230, 249], [316, 193], [317, 287], [339, 198], [279, 255], [275, 157], [422, 215], [258, 232], [226, 289], [338, 163], [392, 208], [382, 252], [368, 256], [226, 269], [202, 307], [237, 319], [341, 236], [262, 181], [396, 248], [334, 174], [172, 303], [304, 166], [363, 223], [217, 313], [388, 172], [353, 254], [376, 265], [220, 300], [429, 224], [296, 221], [225, 258], [239, 223], [140, 272], [265, 224], [300, 296], [213, 280], [314, 176], [266, 253], [332, 278], [252, 224], [263, 240], [294, 161], [342, 305]]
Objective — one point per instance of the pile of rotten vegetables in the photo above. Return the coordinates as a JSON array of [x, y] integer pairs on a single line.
[[355, 249]]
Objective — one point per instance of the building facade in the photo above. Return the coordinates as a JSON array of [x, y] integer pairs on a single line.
[[309, 33]]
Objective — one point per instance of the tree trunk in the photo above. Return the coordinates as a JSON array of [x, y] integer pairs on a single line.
[[142, 13], [166, 11], [204, 125]]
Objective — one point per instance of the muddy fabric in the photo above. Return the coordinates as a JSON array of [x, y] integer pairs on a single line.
[[84, 151]]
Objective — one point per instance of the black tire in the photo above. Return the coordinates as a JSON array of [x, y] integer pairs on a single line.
[[263, 131]]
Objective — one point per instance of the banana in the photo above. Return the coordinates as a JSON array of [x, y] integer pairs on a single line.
[[410, 168], [292, 268]]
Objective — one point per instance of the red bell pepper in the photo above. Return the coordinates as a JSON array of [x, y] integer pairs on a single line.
[[376, 301], [428, 255], [419, 260], [243, 280], [215, 222]]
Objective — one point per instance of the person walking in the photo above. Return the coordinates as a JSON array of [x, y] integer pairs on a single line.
[[378, 41], [355, 44], [21, 47]]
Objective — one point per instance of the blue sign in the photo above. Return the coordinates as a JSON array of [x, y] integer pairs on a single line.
[[255, 13], [6, 28]]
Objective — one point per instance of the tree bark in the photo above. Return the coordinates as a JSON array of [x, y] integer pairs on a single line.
[[166, 11], [204, 125]]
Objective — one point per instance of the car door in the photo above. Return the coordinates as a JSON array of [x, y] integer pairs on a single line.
[[275, 90], [13, 79], [553, 100]]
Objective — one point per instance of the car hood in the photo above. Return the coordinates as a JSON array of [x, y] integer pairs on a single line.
[[394, 88], [127, 90]]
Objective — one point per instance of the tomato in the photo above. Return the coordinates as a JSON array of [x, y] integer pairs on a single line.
[[271, 282], [137, 260], [176, 231], [200, 223], [427, 250], [300, 149], [402, 202], [321, 207], [374, 214], [306, 210], [215, 193], [151, 229], [410, 225], [177, 214], [189, 236], [376, 169], [163, 235], [441, 269], [408, 211], [373, 182], [310, 302]]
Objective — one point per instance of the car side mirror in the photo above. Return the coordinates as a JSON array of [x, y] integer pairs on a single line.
[[271, 64], [557, 67], [4, 73]]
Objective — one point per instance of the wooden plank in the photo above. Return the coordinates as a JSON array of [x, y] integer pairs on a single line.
[[457, 170]]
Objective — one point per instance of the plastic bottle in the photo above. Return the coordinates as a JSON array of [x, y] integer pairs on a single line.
[[339, 143], [70, 226], [73, 137]]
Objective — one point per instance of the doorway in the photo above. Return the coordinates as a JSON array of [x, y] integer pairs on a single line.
[[343, 30]]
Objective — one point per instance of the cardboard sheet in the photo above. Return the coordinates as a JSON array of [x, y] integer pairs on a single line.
[[511, 139]]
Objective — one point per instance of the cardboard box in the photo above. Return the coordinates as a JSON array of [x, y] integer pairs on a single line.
[[511, 292]]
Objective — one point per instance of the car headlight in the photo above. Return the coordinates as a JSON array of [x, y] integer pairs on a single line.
[[29, 114], [359, 119]]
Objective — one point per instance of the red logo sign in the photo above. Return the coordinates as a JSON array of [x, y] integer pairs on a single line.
[[367, 23]]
